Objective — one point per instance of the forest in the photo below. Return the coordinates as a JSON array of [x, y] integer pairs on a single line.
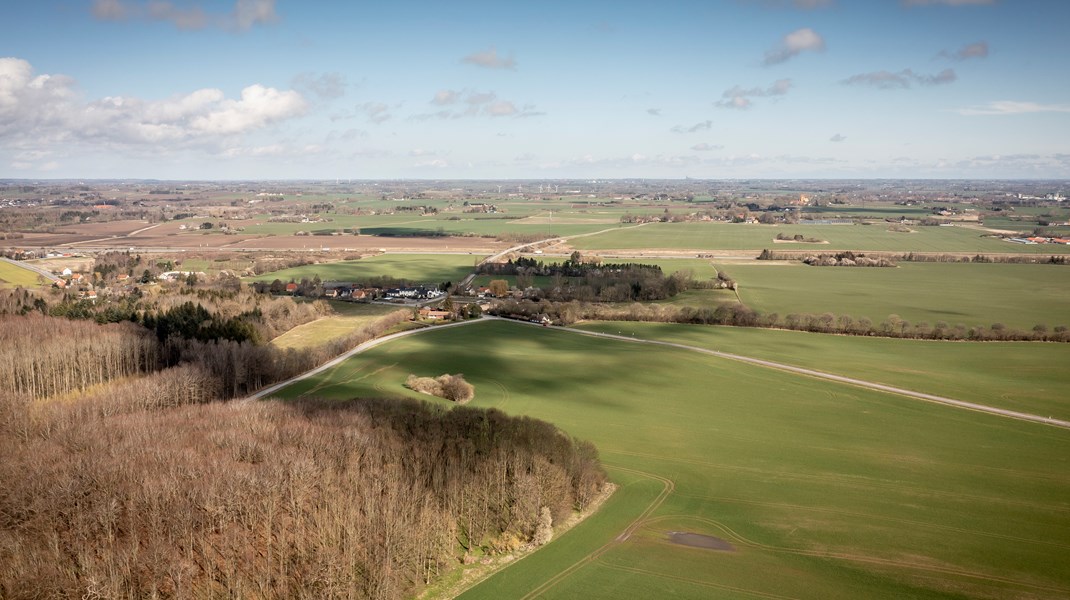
[[110, 497], [577, 279]]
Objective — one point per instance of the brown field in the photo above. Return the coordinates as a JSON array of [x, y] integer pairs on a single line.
[[168, 236]]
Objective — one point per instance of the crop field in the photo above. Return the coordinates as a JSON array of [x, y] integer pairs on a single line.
[[17, 276], [1023, 376], [417, 268], [979, 294], [798, 488], [740, 236], [350, 317]]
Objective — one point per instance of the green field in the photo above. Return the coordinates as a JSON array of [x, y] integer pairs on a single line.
[[17, 276], [823, 490], [349, 317], [739, 236], [418, 268], [1028, 377], [980, 294]]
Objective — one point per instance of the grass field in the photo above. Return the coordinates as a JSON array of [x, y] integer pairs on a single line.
[[350, 317], [1023, 376], [970, 294], [15, 275], [738, 236], [823, 490], [419, 268]]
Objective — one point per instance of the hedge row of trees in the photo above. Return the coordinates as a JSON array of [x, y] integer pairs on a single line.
[[366, 499], [768, 254], [737, 315]]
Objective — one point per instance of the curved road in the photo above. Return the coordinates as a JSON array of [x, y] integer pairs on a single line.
[[1001, 412]]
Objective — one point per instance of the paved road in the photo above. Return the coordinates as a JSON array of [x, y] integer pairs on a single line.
[[1002, 412]]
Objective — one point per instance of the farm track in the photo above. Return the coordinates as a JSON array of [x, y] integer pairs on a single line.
[[667, 490], [1001, 412]]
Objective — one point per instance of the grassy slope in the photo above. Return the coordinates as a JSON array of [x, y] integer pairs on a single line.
[[350, 317], [731, 236], [424, 268], [1024, 376], [826, 491], [16, 275], [971, 294]]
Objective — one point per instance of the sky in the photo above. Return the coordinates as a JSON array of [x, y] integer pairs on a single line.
[[578, 89]]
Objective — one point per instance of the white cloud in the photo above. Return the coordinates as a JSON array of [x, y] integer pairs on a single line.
[[1012, 107], [740, 98], [700, 126], [704, 147], [656, 112], [837, 138], [244, 15], [46, 110], [793, 44], [377, 112], [327, 86], [490, 60], [474, 104], [444, 97], [900, 80], [974, 50], [501, 108]]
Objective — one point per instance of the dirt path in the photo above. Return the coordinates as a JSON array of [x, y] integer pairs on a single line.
[[992, 410], [841, 379]]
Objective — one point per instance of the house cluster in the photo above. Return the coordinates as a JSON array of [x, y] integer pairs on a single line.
[[84, 286], [413, 293], [180, 275], [1039, 240]]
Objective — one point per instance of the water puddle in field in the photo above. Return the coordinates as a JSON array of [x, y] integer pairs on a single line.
[[697, 540]]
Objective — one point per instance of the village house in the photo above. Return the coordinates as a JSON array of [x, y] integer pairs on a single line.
[[434, 314]]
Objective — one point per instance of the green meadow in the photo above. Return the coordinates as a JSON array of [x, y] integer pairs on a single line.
[[819, 490], [1028, 377], [981, 294], [15, 275], [419, 268], [740, 236]]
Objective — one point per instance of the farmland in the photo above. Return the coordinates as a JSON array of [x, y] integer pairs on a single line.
[[348, 317], [738, 236], [420, 268], [822, 490], [1021, 376], [1018, 296]]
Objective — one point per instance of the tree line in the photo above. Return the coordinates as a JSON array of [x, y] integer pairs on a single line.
[[738, 315], [1055, 259]]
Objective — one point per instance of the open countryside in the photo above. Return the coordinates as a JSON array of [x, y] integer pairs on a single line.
[[707, 299], [716, 459]]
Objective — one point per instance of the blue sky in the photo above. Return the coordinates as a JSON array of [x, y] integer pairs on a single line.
[[253, 89]]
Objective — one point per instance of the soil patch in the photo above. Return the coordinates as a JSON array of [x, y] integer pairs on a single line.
[[698, 540]]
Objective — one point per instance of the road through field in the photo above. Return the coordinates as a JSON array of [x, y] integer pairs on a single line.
[[727, 355]]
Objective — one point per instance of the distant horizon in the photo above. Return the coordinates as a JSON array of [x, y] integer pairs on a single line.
[[341, 180], [712, 89]]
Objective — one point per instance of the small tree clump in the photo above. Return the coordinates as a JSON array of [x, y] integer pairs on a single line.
[[451, 387]]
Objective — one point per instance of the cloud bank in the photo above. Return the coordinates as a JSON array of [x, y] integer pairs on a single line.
[[244, 15], [46, 109]]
